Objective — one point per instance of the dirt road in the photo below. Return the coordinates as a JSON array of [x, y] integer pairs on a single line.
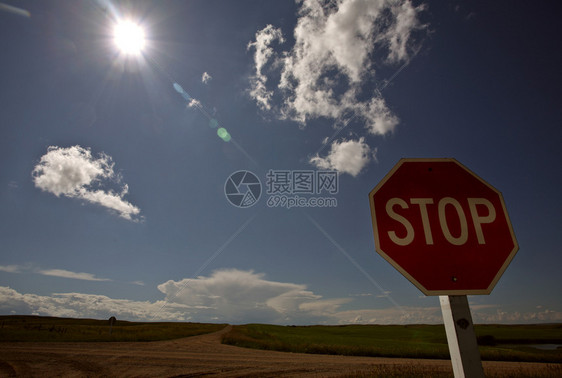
[[195, 356]]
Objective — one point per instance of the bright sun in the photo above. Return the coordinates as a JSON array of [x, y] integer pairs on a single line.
[[129, 37]]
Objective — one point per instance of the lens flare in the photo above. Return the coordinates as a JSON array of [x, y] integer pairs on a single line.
[[129, 37], [223, 134]]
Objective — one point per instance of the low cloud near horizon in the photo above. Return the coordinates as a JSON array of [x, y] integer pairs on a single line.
[[237, 296]]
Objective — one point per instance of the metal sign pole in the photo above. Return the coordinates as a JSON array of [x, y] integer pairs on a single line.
[[461, 337]]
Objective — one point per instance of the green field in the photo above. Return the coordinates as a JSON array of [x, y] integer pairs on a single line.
[[38, 328], [497, 342]]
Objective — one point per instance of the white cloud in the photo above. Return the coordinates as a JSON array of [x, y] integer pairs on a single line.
[[205, 78], [73, 172], [11, 268], [323, 308], [14, 10], [68, 274], [29, 268], [410, 315], [495, 314], [240, 296], [229, 295], [193, 103], [393, 315], [384, 294], [349, 156], [237, 296], [380, 119], [87, 306], [263, 53], [323, 75], [399, 32]]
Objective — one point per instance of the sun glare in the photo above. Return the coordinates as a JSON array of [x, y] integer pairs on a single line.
[[129, 37]]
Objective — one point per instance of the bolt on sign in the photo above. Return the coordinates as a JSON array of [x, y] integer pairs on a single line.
[[443, 227]]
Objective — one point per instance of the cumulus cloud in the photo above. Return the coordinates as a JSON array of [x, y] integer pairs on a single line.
[[347, 156], [237, 296], [75, 173], [205, 78], [336, 44], [288, 308], [87, 306], [380, 119], [262, 55], [241, 296], [228, 295]]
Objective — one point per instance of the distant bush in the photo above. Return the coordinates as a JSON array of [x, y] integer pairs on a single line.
[[486, 340], [42, 328]]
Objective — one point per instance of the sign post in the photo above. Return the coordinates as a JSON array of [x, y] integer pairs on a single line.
[[461, 338], [448, 232]]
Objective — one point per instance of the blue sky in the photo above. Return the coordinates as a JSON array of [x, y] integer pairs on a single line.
[[112, 183]]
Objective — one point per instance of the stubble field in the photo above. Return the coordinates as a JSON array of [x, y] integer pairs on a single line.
[[74, 353]]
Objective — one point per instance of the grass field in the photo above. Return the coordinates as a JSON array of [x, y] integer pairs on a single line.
[[497, 342], [502, 342], [420, 371], [38, 328]]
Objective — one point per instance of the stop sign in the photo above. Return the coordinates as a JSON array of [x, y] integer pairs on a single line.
[[442, 227]]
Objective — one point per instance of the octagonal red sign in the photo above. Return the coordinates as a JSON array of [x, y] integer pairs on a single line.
[[442, 227]]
